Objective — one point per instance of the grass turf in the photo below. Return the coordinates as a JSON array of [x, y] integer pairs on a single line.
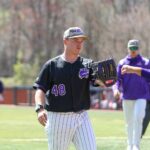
[[20, 130]]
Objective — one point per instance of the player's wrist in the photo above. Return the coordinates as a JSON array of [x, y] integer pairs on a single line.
[[38, 108]]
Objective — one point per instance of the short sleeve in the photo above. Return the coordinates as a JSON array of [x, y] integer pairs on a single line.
[[43, 80]]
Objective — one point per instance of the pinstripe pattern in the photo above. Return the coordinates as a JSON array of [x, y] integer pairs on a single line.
[[64, 128], [84, 138]]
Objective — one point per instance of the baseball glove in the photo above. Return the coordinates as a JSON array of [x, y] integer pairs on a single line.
[[105, 71]]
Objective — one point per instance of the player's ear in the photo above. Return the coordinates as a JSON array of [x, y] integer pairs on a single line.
[[65, 41]]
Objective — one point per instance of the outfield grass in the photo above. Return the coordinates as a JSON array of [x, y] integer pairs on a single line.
[[20, 130]]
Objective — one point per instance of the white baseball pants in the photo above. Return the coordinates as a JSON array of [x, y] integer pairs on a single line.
[[64, 128], [134, 112]]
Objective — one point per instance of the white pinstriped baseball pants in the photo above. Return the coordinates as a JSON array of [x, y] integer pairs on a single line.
[[64, 128], [134, 112]]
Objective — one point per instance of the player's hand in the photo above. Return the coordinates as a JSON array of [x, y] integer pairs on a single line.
[[117, 94], [100, 83], [42, 117], [126, 69], [131, 69]]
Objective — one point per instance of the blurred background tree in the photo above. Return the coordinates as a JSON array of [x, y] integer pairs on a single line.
[[31, 31]]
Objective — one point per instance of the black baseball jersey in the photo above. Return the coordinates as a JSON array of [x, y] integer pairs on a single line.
[[66, 84]]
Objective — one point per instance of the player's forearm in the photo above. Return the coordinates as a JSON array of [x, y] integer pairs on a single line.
[[131, 69], [116, 86], [39, 97], [136, 70]]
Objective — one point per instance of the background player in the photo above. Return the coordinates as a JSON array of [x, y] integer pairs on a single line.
[[146, 74], [135, 92], [65, 81]]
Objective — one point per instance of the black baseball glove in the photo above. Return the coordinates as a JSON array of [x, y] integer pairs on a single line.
[[104, 71]]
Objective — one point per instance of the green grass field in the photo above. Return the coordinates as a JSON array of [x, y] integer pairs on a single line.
[[20, 130]]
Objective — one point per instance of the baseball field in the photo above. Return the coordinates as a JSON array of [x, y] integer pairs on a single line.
[[20, 130]]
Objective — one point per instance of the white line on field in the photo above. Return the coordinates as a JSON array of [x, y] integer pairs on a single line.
[[44, 139], [28, 140], [117, 138]]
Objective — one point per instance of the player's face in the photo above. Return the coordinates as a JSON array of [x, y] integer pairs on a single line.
[[74, 45], [133, 53]]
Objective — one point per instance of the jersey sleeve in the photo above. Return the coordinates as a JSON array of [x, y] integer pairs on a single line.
[[92, 78], [145, 73], [43, 80]]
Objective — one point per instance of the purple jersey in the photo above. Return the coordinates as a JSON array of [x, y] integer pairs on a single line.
[[133, 86]]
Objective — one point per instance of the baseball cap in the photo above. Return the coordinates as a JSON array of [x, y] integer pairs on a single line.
[[133, 44], [74, 32]]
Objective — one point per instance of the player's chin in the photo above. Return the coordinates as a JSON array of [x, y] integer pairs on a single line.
[[77, 51]]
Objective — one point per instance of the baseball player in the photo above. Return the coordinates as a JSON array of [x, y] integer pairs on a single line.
[[135, 93], [146, 74], [64, 80]]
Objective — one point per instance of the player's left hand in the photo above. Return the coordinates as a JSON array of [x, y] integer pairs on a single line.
[[105, 71]]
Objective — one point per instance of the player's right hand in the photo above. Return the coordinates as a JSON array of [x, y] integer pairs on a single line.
[[117, 94], [42, 117], [126, 69]]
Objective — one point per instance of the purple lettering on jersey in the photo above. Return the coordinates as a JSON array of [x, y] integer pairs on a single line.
[[83, 73], [58, 90], [54, 90], [61, 89]]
